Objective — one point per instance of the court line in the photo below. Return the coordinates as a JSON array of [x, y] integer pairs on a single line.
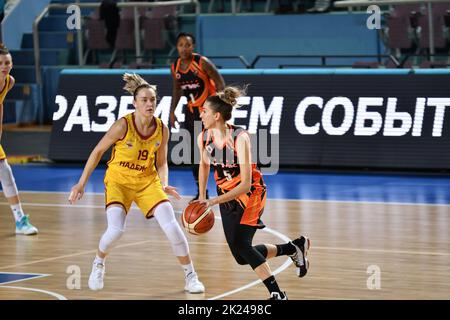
[[280, 199], [54, 294]]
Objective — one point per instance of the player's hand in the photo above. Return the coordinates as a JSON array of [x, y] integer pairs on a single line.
[[172, 119], [76, 193], [207, 202], [172, 191]]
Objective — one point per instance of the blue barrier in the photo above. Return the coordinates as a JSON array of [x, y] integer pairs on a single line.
[[307, 34]]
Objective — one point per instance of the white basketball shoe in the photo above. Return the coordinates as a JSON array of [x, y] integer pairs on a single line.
[[96, 278], [193, 285]]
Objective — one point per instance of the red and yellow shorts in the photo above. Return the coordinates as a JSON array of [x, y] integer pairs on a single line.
[[146, 195]]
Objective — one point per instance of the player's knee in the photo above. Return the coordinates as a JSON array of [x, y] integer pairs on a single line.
[[7, 179], [241, 260], [177, 238], [248, 254], [110, 238], [237, 254]]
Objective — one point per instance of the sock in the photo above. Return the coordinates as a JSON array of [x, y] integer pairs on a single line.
[[285, 249], [17, 211], [99, 260], [188, 269], [272, 285]]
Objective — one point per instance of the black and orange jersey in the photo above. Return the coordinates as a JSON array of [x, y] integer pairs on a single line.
[[227, 172], [195, 83]]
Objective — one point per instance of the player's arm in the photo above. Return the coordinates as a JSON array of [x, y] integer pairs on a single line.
[[116, 132], [1, 121], [161, 164], [244, 159], [12, 81], [177, 92], [203, 170], [212, 72], [161, 158]]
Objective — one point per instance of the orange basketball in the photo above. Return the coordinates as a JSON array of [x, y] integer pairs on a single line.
[[197, 218]]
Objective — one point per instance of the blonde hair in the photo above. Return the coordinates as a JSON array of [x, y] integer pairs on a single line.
[[230, 94], [134, 82], [226, 100], [3, 49]]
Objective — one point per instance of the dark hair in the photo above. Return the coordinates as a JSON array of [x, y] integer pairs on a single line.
[[134, 83], [226, 100], [185, 34], [3, 49]]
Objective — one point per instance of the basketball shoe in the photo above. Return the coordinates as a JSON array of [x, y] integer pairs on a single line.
[[193, 285], [23, 226], [96, 278], [277, 296], [299, 258]]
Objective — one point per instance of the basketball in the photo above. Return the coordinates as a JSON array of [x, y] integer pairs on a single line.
[[197, 218]]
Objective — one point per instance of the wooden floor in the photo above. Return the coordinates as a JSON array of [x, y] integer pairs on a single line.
[[408, 243]]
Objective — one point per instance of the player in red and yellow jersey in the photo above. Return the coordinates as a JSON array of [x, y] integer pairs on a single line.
[[23, 225], [197, 78], [241, 191], [139, 143]]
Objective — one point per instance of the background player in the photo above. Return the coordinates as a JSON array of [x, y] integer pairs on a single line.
[[197, 78], [140, 142], [241, 191], [23, 225]]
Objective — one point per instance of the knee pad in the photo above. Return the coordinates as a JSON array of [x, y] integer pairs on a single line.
[[7, 179], [116, 227], [166, 219]]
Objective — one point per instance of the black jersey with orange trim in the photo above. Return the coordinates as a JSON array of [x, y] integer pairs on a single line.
[[227, 173], [195, 83]]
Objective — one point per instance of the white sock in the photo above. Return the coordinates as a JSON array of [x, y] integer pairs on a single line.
[[99, 260], [17, 211], [188, 269]]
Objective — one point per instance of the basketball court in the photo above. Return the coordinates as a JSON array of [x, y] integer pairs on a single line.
[[374, 236]]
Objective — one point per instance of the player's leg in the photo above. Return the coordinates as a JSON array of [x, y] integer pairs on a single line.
[[243, 244], [296, 249], [166, 218], [239, 238], [154, 202], [116, 217], [117, 202], [23, 225]]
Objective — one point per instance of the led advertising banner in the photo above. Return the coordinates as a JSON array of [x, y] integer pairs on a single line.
[[395, 121]]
